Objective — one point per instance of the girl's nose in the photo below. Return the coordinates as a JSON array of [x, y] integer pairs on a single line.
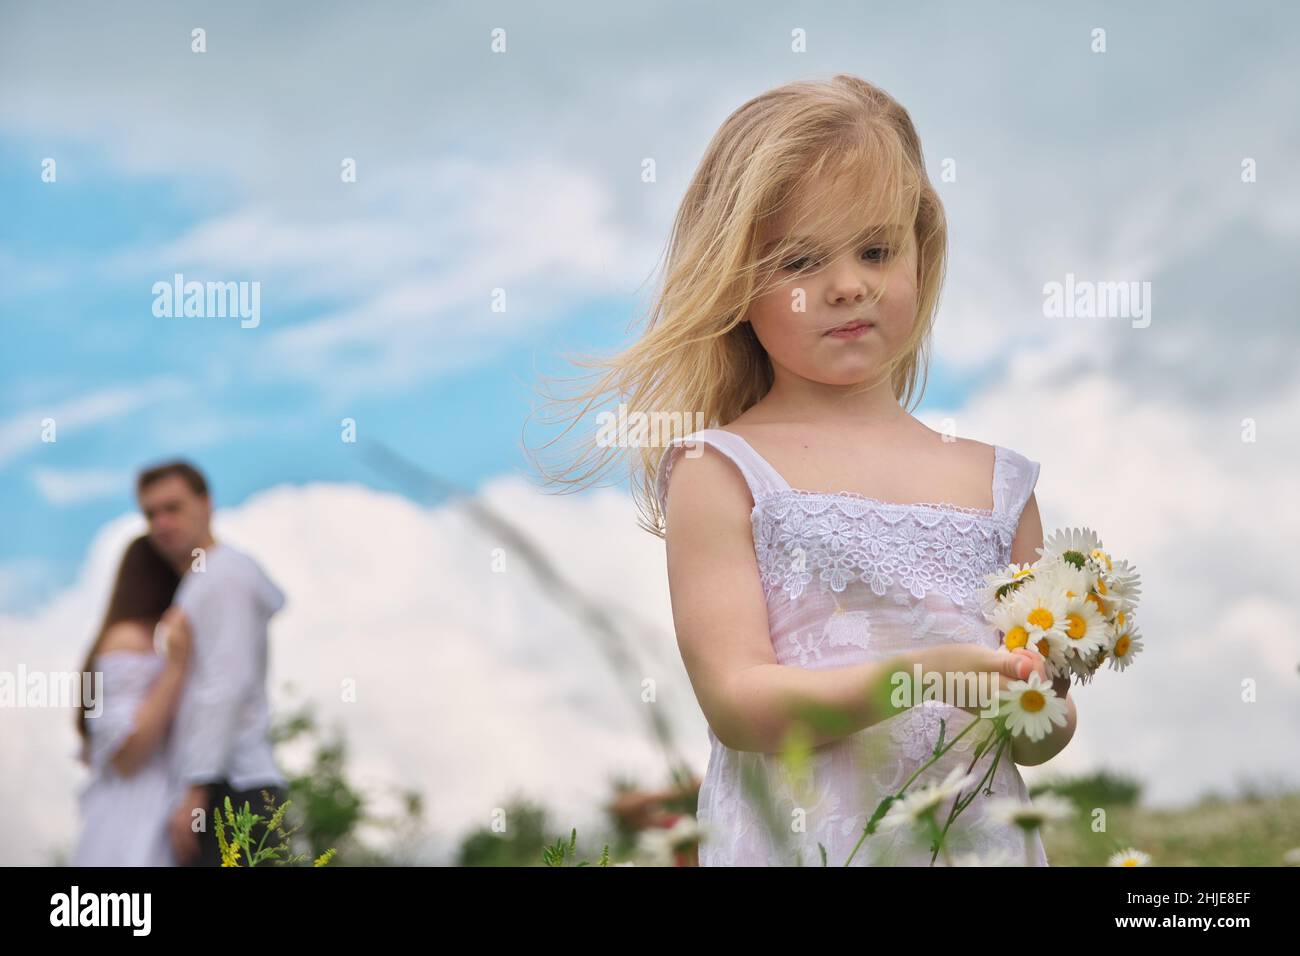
[[846, 282]]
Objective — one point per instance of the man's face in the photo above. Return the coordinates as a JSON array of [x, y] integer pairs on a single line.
[[178, 518]]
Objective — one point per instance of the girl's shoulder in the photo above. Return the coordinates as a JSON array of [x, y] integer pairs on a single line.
[[126, 636]]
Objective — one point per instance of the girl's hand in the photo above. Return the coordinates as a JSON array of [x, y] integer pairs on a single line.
[[1037, 662], [1001, 664], [179, 637], [1060, 683]]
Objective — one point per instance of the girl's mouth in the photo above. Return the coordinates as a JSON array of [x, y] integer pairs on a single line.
[[851, 330]]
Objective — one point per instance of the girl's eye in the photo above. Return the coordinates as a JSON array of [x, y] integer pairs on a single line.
[[796, 265], [883, 250]]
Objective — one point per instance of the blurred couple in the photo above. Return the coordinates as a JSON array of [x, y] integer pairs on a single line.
[[185, 718]]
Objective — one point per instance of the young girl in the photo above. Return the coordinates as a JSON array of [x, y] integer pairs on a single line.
[[820, 539]]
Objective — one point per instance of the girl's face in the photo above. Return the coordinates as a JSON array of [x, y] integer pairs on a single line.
[[809, 295]]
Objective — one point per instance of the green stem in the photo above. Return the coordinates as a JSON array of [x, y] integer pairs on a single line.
[[958, 804], [866, 831]]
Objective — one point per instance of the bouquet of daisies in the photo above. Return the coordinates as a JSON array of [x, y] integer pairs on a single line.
[[1075, 605]]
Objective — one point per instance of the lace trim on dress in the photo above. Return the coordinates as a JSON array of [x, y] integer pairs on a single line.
[[841, 537]]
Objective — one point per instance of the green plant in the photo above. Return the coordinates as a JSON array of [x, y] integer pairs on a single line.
[[237, 849]]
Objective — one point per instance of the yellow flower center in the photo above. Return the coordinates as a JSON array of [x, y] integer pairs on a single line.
[[1041, 618], [1121, 645], [1021, 574], [1119, 619], [1101, 586], [1078, 627], [1129, 861], [1016, 637], [1103, 557], [1032, 701]]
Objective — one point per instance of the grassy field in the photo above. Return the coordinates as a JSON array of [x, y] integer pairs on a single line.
[[1243, 831]]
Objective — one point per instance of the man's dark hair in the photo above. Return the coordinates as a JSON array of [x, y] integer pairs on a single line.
[[193, 477]]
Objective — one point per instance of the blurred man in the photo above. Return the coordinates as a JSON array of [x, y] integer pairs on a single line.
[[220, 744]]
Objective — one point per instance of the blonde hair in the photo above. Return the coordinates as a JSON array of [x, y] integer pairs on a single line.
[[697, 358]]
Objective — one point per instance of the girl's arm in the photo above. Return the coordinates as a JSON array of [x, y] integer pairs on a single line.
[[159, 706], [720, 616], [1031, 752]]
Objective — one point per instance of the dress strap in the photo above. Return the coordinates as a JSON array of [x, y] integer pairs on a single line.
[[760, 476], [1014, 478]]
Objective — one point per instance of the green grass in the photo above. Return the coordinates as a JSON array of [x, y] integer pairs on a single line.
[[1246, 831]]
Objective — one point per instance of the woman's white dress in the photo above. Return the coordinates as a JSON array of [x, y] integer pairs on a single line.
[[124, 817]]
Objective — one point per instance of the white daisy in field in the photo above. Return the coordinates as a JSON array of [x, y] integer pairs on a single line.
[[1032, 707], [1032, 815], [1291, 857], [1072, 544], [1129, 857], [658, 844], [1126, 646], [914, 807], [1086, 631]]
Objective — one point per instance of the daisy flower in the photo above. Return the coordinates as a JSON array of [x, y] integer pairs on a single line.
[[1033, 814], [1125, 585], [1009, 617], [1086, 631], [1082, 668], [659, 845], [1012, 574], [1055, 647], [1126, 645], [1072, 581], [1072, 545], [1129, 857], [1044, 608], [915, 807], [1032, 707]]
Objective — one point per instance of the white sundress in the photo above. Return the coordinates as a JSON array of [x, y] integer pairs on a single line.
[[850, 579], [124, 817]]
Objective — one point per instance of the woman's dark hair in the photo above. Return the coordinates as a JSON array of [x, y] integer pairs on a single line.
[[144, 589]]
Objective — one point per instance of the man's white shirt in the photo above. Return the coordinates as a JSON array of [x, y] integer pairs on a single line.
[[223, 717]]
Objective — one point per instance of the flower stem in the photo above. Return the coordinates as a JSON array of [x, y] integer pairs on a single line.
[[866, 831]]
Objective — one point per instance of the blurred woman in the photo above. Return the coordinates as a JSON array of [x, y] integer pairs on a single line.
[[125, 804]]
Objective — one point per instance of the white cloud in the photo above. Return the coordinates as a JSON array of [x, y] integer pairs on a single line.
[[73, 486], [23, 430], [1209, 522]]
